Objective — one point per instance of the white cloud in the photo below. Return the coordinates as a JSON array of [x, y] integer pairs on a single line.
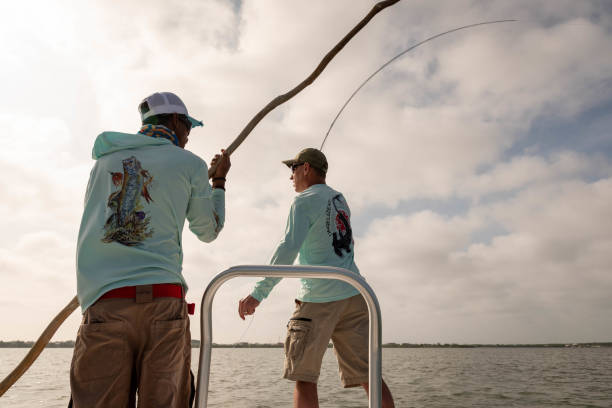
[[551, 263], [523, 171]]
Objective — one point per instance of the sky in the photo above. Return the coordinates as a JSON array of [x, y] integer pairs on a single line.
[[478, 167]]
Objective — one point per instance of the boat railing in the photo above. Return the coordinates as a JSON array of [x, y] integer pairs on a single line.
[[284, 271]]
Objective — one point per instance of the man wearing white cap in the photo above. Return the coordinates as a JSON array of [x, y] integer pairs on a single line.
[[134, 338]]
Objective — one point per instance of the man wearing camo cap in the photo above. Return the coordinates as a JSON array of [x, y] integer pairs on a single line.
[[319, 230]]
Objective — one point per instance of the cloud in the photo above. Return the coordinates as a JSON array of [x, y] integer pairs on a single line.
[[526, 170], [551, 261]]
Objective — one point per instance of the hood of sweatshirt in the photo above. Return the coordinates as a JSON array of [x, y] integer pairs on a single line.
[[110, 142]]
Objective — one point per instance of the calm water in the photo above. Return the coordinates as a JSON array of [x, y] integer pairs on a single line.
[[484, 377]]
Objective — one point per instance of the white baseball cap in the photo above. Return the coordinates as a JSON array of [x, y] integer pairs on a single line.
[[164, 103]]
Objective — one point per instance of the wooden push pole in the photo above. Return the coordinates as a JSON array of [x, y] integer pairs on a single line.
[[279, 100], [39, 346]]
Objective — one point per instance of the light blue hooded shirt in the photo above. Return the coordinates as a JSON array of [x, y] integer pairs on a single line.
[[140, 191], [319, 230]]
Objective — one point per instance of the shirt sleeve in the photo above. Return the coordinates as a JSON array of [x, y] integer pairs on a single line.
[[298, 224], [89, 184], [206, 209]]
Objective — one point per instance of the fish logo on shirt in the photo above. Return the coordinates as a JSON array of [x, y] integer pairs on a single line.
[[341, 240], [128, 224]]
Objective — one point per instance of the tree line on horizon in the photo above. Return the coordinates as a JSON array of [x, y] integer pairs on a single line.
[[196, 344]]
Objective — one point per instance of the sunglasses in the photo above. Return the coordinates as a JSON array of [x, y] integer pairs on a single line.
[[295, 166], [186, 122]]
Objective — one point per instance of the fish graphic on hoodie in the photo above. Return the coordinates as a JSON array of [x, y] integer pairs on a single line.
[[128, 224]]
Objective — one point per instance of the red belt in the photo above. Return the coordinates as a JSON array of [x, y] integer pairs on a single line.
[[158, 290]]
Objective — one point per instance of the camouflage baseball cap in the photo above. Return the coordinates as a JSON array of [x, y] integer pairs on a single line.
[[314, 157]]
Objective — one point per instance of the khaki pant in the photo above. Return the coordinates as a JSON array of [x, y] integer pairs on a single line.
[[124, 347], [346, 323]]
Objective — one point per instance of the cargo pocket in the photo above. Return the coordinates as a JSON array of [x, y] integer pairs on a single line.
[[297, 335], [169, 345], [99, 349]]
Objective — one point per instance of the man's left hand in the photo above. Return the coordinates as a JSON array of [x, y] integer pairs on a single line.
[[222, 163], [247, 306]]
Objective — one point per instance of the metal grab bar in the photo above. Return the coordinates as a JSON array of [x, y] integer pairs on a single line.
[[286, 271]]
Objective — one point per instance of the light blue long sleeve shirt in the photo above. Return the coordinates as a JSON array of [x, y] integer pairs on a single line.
[[319, 230], [140, 191]]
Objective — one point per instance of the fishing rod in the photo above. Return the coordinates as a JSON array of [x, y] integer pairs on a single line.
[[395, 58], [48, 333]]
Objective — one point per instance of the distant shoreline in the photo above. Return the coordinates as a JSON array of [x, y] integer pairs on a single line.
[[196, 344]]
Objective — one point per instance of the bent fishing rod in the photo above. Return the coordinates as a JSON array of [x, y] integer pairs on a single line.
[[395, 58], [48, 333]]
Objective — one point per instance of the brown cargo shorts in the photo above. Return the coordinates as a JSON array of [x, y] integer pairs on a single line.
[[345, 322], [123, 346]]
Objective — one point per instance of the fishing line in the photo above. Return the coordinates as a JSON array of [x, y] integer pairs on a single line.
[[247, 329], [396, 57]]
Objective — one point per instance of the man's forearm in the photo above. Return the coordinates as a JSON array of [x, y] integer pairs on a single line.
[[264, 287]]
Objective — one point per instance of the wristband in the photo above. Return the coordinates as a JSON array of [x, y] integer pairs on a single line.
[[220, 187], [218, 178]]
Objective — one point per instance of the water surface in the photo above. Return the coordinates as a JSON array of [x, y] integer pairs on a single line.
[[432, 378]]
